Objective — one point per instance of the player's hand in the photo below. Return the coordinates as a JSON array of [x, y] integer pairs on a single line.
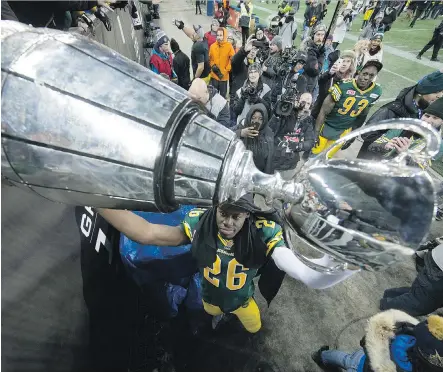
[[250, 132], [401, 144]]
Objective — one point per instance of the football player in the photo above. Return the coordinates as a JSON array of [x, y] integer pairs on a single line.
[[230, 243], [346, 107]]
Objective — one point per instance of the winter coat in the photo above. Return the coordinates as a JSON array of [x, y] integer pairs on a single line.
[[340, 28], [370, 30], [390, 16], [387, 341], [312, 15], [220, 54], [210, 38], [262, 147], [181, 63], [402, 107], [242, 105], [288, 32], [291, 136], [161, 63], [371, 56], [314, 63], [218, 107], [239, 70], [271, 76]]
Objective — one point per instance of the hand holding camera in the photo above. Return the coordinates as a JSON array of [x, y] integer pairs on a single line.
[[179, 24]]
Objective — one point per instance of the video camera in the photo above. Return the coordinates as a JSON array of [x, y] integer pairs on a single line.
[[288, 60], [286, 103]]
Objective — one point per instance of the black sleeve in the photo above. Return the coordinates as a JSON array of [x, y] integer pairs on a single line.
[[7, 13], [266, 100], [309, 135], [274, 124], [237, 60], [383, 113], [199, 52], [302, 84], [224, 117], [312, 68], [239, 104]]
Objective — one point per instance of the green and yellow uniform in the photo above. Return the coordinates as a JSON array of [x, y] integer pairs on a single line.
[[350, 103], [228, 286]]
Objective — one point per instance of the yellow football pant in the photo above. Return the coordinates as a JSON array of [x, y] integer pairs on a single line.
[[324, 143], [248, 314]]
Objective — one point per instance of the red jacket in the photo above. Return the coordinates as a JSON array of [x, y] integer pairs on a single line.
[[161, 64], [211, 39]]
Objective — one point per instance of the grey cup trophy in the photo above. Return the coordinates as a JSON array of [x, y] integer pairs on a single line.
[[83, 125]]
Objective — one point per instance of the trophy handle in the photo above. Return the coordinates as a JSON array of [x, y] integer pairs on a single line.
[[425, 130]]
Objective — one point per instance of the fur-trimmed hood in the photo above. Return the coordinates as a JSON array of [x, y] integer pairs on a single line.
[[380, 331]]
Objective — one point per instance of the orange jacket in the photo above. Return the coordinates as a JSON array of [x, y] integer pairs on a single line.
[[220, 54]]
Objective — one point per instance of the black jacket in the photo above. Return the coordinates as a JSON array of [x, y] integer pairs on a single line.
[[314, 64], [239, 70], [181, 65], [291, 136], [402, 107], [262, 147], [272, 77], [42, 13]]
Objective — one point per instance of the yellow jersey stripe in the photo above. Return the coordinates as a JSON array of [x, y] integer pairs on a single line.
[[187, 230]]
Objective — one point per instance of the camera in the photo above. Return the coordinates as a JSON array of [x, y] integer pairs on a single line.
[[285, 104], [216, 70], [250, 90]]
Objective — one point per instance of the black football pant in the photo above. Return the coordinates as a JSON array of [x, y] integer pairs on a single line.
[[436, 42], [417, 15], [425, 294], [221, 86]]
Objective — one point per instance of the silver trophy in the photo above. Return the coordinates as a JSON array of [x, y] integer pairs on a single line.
[[83, 125]]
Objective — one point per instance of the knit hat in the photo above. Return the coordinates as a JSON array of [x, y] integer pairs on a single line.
[[378, 35], [319, 27], [429, 341], [199, 31], [256, 66], [347, 54], [431, 83], [277, 40], [174, 46], [435, 108], [163, 40]]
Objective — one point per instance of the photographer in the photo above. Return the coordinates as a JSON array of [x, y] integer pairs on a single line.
[[217, 106], [252, 92], [220, 55], [257, 137], [293, 133], [261, 41]]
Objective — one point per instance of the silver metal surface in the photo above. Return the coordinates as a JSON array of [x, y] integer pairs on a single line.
[[366, 213]]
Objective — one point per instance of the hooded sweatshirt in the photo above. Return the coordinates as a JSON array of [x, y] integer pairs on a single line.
[[262, 146], [220, 54]]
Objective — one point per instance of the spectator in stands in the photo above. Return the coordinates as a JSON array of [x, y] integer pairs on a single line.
[[394, 341], [410, 103], [293, 134], [342, 68], [252, 92], [246, 8], [220, 55], [374, 27], [217, 106], [181, 64], [375, 51], [161, 59], [255, 133], [316, 56]]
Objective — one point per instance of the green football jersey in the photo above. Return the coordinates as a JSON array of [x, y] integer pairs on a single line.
[[350, 103], [228, 284]]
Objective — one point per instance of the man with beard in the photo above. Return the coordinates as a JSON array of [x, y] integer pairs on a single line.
[[230, 243], [316, 54], [346, 107], [271, 68], [410, 103], [293, 134]]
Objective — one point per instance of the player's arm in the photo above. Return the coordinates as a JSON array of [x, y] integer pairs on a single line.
[[325, 110], [286, 261], [139, 230]]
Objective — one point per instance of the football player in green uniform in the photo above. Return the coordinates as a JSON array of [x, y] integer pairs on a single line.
[[230, 243], [346, 107]]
